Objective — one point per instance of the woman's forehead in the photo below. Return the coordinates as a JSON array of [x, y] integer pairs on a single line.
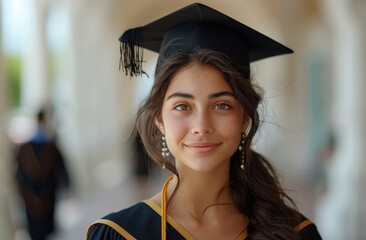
[[198, 78]]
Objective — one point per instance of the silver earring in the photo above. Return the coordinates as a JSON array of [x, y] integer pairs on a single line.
[[242, 153], [164, 149]]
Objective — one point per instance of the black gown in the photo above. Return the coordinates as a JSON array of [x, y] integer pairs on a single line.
[[142, 221], [40, 173]]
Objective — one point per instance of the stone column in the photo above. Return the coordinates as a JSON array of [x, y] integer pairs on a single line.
[[96, 115], [35, 66], [341, 213]]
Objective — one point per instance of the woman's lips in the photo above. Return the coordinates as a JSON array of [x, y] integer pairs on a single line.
[[202, 147]]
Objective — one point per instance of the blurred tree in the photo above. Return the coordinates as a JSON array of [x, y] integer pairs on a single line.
[[13, 75]]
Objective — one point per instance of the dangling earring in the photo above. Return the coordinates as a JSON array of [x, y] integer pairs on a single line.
[[164, 150], [242, 153]]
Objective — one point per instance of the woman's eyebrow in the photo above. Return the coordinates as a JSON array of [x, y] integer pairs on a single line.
[[180, 94], [190, 96], [220, 94]]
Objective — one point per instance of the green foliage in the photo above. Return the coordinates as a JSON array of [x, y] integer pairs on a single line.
[[13, 75]]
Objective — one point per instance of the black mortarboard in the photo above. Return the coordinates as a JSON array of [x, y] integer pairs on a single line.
[[196, 26]]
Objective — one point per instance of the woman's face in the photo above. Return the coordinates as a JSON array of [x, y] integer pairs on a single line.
[[201, 119]]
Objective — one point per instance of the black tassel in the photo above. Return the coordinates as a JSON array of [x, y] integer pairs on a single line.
[[131, 55]]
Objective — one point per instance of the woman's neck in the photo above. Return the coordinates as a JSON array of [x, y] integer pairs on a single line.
[[203, 205], [199, 196]]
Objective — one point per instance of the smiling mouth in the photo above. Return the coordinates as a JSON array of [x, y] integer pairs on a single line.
[[202, 147]]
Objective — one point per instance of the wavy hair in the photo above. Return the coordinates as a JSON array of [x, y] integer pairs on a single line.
[[256, 191]]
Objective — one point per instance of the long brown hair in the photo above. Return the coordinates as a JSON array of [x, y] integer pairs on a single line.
[[256, 191]]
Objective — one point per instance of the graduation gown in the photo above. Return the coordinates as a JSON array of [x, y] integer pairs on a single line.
[[142, 221], [40, 173]]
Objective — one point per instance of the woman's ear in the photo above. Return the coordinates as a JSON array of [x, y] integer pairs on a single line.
[[246, 123], [159, 124]]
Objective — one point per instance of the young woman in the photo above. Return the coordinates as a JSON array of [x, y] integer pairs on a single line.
[[199, 121]]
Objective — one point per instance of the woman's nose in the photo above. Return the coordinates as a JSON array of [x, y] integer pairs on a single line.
[[202, 124]]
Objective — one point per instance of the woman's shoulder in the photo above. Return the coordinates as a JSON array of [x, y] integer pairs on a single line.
[[307, 229], [125, 224]]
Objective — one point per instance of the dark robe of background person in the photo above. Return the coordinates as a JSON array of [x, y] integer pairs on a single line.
[[40, 173]]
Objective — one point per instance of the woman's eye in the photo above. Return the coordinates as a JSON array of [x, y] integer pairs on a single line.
[[181, 107], [221, 106]]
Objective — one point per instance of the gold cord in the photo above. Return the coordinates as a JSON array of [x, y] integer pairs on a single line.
[[163, 207]]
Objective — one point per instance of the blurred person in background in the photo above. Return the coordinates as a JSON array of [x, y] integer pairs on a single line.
[[199, 122], [40, 173]]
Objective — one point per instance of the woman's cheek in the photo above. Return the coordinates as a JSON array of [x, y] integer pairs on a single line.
[[173, 125]]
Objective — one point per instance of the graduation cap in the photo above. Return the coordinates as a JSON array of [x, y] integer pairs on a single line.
[[196, 26]]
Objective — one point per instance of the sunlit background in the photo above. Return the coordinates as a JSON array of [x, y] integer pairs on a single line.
[[63, 55]]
